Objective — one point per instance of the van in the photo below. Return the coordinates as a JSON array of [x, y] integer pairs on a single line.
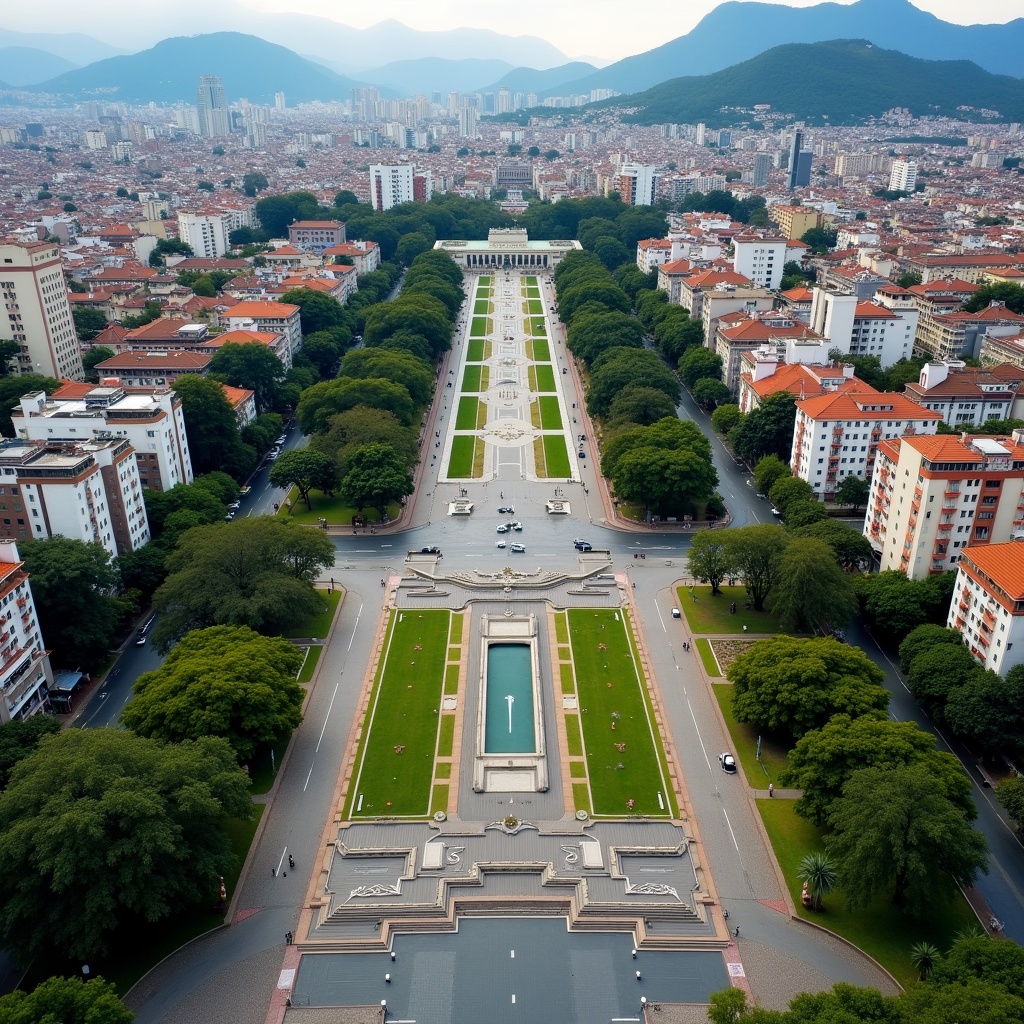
[[675, 613]]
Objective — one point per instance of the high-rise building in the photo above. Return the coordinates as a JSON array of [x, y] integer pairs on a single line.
[[206, 231], [637, 184], [701, 136], [279, 100], [799, 162], [390, 185], [762, 168], [38, 315], [504, 100], [903, 176], [467, 123], [212, 107]]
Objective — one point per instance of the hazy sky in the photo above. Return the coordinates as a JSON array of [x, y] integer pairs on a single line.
[[594, 28]]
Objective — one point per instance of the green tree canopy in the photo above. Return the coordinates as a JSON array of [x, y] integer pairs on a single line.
[[699, 362], [893, 605], [421, 314], [710, 391], [767, 430], [618, 368], [11, 390], [223, 681], [769, 468], [88, 322], [400, 367], [327, 398], [1005, 291], [19, 738], [851, 548], [787, 490], [65, 1001], [812, 593], [72, 582], [160, 504], [639, 405], [825, 759], [894, 831], [725, 418], [360, 426], [255, 572], [792, 686], [307, 469], [251, 365], [852, 490], [213, 437], [757, 553], [592, 334], [99, 827], [317, 311], [711, 558], [924, 638], [376, 477]]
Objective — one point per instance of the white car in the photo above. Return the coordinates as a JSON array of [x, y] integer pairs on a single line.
[[499, 544], [728, 763], [519, 548], [502, 529]]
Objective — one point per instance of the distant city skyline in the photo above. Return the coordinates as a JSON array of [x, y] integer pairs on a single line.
[[580, 28]]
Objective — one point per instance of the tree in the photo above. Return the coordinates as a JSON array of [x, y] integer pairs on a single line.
[[805, 513], [421, 314], [980, 1002], [793, 685], [987, 709], [710, 391], [168, 247], [254, 572], [767, 429], [640, 405], [924, 956], [253, 182], [99, 827], [72, 582], [852, 490], [894, 605], [936, 673], [769, 468], [728, 1006], [894, 830], [909, 278], [664, 480], [376, 477], [711, 559], [820, 875], [88, 322], [1005, 291], [70, 1000], [323, 352], [698, 363], [592, 334], [317, 311], [348, 431], [346, 198], [410, 246], [812, 592], [212, 427], [18, 739], [819, 239], [399, 367], [306, 469], [757, 554], [223, 681], [252, 366], [618, 368], [1011, 796], [825, 759], [95, 355], [924, 638], [981, 959], [209, 508], [326, 398], [726, 417], [788, 490], [8, 350], [852, 550]]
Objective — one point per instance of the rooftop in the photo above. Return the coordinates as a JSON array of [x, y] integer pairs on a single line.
[[1003, 564]]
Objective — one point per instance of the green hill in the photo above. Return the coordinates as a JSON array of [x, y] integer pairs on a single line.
[[844, 81]]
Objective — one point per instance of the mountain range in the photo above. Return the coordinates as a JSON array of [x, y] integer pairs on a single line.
[[26, 65], [838, 82], [735, 31]]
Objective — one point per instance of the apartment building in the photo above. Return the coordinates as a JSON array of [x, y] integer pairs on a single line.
[[671, 276], [968, 266], [693, 287], [365, 256], [726, 299], [760, 259], [316, 235], [141, 369], [36, 312], [903, 175], [766, 371], [794, 221], [838, 435], [25, 672], [268, 318], [637, 184], [738, 333], [959, 334], [393, 184], [933, 496], [89, 490], [988, 604], [208, 231], [151, 419], [1002, 349], [861, 328], [965, 395], [652, 252]]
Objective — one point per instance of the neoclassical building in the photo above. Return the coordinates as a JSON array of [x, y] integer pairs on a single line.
[[507, 247]]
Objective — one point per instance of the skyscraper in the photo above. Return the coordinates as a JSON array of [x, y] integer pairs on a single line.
[[799, 163], [637, 184], [762, 168], [213, 107], [903, 177]]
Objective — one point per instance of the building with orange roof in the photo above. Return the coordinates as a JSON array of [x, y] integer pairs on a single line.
[[988, 604], [652, 252], [274, 341], [243, 401], [967, 266], [1002, 348], [797, 302], [694, 286], [885, 328], [933, 496], [670, 278], [961, 334], [743, 331], [837, 435], [765, 372], [365, 255], [966, 395], [268, 317], [25, 673], [139, 369], [760, 258]]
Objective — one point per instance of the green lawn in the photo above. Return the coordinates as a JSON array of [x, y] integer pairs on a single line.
[[541, 350], [403, 713], [711, 614], [333, 508], [471, 378], [550, 415], [484, 281], [707, 657], [460, 463], [614, 710], [531, 282], [774, 753], [465, 418], [535, 307], [309, 664], [573, 738], [545, 377], [537, 328], [479, 327], [878, 929], [318, 625], [556, 458], [475, 351], [481, 307]]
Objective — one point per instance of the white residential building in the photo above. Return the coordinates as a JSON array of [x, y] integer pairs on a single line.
[[391, 185], [25, 671], [759, 258], [988, 604], [88, 490], [903, 176], [933, 496], [963, 395], [269, 318], [36, 312], [637, 184], [837, 435], [859, 328], [205, 231], [151, 419]]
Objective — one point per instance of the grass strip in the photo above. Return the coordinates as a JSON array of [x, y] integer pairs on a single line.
[[471, 378], [332, 507], [573, 737], [535, 307], [581, 796], [707, 657], [556, 458], [622, 755], [541, 350], [443, 770], [577, 770], [711, 614], [774, 754], [475, 351], [309, 663], [466, 415], [446, 736], [481, 307], [562, 633], [545, 378], [451, 680], [550, 414], [455, 636], [439, 798], [536, 327], [318, 625], [478, 458], [567, 678], [539, 464], [460, 462], [398, 754]]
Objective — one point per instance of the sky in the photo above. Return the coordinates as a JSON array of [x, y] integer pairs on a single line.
[[580, 28]]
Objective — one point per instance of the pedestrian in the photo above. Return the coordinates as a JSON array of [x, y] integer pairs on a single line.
[[771, 789], [737, 932], [273, 871], [291, 861]]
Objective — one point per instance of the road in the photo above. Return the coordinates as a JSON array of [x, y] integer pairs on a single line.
[[229, 975]]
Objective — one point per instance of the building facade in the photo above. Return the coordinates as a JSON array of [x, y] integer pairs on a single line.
[[637, 184], [316, 235], [268, 318], [760, 259]]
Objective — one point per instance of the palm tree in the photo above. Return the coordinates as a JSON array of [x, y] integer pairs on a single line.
[[973, 931], [924, 956], [820, 875]]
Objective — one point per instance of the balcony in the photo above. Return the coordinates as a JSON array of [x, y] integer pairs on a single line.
[[951, 495], [984, 640]]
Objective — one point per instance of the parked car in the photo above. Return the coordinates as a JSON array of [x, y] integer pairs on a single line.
[[499, 544], [430, 551], [728, 763], [583, 545], [517, 526], [506, 510], [143, 634], [519, 548], [502, 529], [281, 440], [234, 506]]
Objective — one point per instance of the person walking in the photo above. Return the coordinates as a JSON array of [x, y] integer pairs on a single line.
[[771, 792]]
